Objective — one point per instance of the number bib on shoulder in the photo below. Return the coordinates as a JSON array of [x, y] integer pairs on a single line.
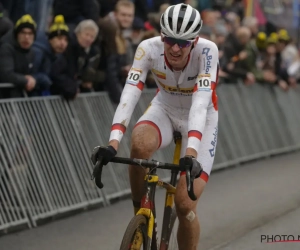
[[134, 76], [203, 82]]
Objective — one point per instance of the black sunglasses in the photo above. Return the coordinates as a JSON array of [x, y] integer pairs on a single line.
[[181, 43]]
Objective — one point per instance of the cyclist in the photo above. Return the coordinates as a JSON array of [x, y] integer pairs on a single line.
[[185, 68]]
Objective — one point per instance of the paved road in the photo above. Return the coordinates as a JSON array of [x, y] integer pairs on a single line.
[[237, 207]]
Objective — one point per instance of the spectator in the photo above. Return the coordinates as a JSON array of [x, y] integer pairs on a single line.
[[294, 72], [232, 21], [251, 23], [5, 23], [76, 70], [238, 7], [256, 50], [114, 46], [220, 36], [289, 52], [290, 57], [16, 65], [273, 60], [47, 49], [233, 61], [136, 36], [76, 11], [280, 65], [209, 18], [270, 59]]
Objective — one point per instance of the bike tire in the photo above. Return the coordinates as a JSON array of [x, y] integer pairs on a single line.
[[173, 245], [172, 234], [138, 222]]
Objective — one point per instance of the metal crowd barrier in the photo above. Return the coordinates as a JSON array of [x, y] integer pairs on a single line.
[[10, 86], [45, 144]]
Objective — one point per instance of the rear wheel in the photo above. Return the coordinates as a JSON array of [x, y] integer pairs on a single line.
[[135, 237]]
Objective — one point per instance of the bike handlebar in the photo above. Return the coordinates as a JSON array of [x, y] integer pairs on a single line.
[[97, 173]]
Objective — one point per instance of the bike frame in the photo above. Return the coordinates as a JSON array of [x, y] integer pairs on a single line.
[[148, 204]]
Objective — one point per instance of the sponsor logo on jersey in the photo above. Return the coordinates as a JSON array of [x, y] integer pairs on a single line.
[[139, 54], [178, 93], [159, 74], [214, 143], [207, 60], [190, 78], [173, 89]]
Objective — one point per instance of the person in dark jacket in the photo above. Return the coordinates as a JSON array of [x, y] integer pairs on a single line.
[[233, 60], [5, 23], [114, 46], [16, 64], [48, 47], [76, 70]]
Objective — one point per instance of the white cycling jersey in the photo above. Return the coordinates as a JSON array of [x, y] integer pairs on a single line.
[[190, 93]]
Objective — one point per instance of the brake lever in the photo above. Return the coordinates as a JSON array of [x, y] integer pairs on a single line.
[[190, 184], [97, 173], [191, 190]]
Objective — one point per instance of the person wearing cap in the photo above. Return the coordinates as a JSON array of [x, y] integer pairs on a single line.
[[256, 50], [77, 69], [273, 62], [288, 54], [48, 47], [270, 58], [16, 64], [288, 50]]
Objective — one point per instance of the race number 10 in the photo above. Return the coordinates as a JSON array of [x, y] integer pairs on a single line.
[[134, 76], [204, 82]]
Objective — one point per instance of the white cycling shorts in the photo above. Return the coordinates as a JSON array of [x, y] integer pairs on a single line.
[[167, 120]]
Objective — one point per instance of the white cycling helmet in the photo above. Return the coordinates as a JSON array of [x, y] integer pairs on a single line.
[[181, 21]]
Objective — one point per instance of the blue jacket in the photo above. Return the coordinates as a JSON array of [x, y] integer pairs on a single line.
[[43, 59]]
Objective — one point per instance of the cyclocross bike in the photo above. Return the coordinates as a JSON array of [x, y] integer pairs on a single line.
[[141, 231]]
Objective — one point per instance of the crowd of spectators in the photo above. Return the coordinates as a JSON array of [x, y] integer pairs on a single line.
[[66, 47]]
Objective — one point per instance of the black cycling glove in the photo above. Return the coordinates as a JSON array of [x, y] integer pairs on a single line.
[[106, 153], [193, 165]]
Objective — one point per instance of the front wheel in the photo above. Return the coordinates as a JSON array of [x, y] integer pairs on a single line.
[[173, 245], [170, 226], [135, 237]]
